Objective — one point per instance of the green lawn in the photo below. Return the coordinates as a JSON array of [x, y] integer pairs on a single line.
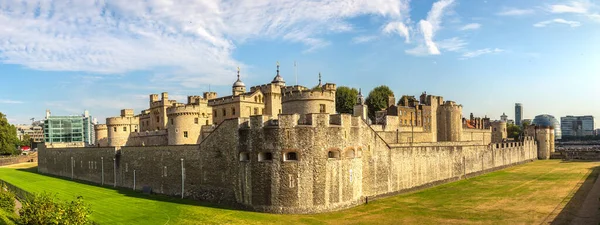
[[524, 194]]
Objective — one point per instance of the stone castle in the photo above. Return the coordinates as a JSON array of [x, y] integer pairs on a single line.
[[282, 149]]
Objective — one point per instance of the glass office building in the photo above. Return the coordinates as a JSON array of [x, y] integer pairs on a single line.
[[577, 125], [69, 129]]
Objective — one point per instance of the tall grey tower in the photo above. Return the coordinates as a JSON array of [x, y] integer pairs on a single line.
[[518, 114]]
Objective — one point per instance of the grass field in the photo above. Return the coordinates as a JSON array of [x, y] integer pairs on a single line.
[[525, 194]]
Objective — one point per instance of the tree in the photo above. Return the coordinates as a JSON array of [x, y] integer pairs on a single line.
[[8, 137], [378, 100], [26, 140], [345, 99], [513, 131], [525, 124]]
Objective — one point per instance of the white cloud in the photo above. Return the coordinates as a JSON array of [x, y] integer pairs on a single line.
[[8, 101], [430, 26], [573, 7], [451, 45], [559, 20], [363, 39], [480, 52], [195, 40], [471, 26], [398, 28], [515, 12]]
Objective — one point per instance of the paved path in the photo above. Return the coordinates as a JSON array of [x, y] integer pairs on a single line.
[[589, 213]]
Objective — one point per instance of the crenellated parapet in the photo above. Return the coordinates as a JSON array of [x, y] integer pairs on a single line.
[[184, 110], [308, 101]]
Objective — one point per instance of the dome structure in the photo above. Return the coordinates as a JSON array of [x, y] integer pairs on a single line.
[[278, 79], [549, 121], [238, 82]]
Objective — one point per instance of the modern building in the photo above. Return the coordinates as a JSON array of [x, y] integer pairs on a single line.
[[597, 132], [518, 114], [35, 132], [577, 126], [69, 129], [548, 120]]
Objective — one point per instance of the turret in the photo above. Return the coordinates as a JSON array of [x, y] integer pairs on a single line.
[[278, 80], [449, 122], [498, 131], [238, 87], [360, 109]]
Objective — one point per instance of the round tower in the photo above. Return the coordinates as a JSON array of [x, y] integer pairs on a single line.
[[320, 99], [238, 87], [101, 132], [119, 129], [499, 132], [449, 121], [544, 140], [185, 123]]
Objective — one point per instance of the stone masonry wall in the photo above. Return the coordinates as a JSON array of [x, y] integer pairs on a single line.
[[311, 164]]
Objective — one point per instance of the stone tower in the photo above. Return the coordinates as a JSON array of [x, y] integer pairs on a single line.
[[449, 122], [498, 131], [360, 109], [238, 87]]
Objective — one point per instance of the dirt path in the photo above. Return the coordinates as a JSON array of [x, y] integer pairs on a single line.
[[18, 206], [589, 213]]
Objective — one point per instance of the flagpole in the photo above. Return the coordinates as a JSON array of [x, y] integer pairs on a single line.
[[296, 72]]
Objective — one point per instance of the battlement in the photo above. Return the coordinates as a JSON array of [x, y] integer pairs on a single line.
[[312, 120], [115, 121], [196, 100], [294, 88], [183, 110], [148, 133], [225, 100], [127, 112], [267, 88], [100, 127], [209, 95], [308, 95], [162, 103]]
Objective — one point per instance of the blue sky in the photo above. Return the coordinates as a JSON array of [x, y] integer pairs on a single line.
[[68, 56]]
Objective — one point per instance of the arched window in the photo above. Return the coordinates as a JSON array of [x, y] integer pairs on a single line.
[[333, 154], [244, 156], [265, 156], [290, 156], [350, 153], [255, 98]]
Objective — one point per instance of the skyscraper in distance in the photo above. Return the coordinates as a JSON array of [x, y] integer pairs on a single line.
[[518, 114]]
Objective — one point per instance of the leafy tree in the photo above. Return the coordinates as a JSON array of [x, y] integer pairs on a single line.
[[525, 124], [47, 209], [345, 99], [513, 131], [378, 100], [26, 140], [8, 137]]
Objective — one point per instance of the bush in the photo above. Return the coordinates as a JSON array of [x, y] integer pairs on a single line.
[[46, 209], [7, 200]]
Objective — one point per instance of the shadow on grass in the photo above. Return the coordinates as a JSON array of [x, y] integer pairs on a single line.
[[137, 194], [569, 212]]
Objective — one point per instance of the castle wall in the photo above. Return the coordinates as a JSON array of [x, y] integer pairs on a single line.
[[317, 163], [148, 138], [89, 164], [479, 135]]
